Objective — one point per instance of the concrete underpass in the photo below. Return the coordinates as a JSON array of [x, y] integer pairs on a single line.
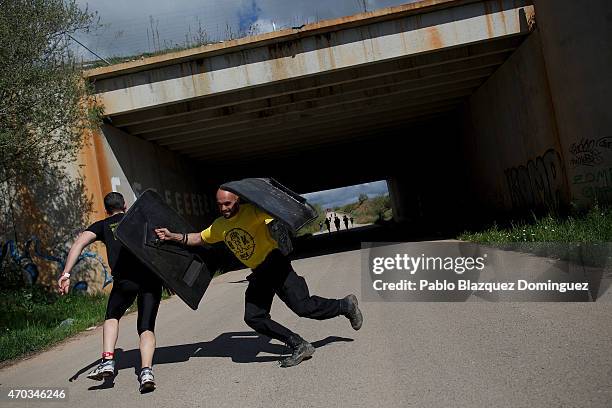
[[464, 107], [469, 109]]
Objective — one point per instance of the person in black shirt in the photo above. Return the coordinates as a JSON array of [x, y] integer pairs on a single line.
[[337, 223], [131, 280], [328, 225]]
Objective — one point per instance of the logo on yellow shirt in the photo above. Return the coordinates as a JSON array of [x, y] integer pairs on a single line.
[[240, 243]]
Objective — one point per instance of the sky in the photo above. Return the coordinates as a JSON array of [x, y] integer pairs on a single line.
[[131, 27], [346, 195]]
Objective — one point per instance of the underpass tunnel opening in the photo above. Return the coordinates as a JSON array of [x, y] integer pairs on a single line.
[[346, 208]]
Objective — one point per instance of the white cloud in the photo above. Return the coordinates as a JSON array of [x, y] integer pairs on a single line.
[[262, 25]]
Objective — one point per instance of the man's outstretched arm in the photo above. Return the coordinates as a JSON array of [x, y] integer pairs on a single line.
[[86, 238], [191, 239]]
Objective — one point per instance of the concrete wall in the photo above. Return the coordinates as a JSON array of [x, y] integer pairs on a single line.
[[537, 133], [511, 140], [135, 165], [576, 38]]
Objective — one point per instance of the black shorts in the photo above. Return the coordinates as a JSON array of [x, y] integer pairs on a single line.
[[147, 289]]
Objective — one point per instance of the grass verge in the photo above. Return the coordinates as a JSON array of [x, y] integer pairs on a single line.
[[31, 318], [594, 226]]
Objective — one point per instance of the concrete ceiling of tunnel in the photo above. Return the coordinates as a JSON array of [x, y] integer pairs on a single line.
[[334, 107], [281, 119]]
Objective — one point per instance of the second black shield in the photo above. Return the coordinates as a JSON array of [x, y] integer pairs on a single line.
[[275, 199]]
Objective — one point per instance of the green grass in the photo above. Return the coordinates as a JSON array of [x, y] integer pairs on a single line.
[[30, 318], [591, 227]]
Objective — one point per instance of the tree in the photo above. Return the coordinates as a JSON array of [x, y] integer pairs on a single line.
[[43, 111], [46, 109], [362, 197]]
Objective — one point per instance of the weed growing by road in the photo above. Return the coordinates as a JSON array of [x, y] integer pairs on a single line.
[[593, 226]]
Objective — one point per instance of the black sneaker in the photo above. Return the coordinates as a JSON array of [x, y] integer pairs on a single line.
[[301, 350], [353, 314]]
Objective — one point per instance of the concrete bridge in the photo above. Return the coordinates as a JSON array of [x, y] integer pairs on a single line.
[[464, 106]]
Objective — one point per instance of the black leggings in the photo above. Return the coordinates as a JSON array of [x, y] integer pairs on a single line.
[[276, 276], [123, 294]]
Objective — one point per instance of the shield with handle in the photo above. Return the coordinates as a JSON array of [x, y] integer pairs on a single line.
[[182, 269], [286, 206]]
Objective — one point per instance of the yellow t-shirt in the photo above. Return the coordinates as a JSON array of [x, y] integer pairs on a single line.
[[246, 234]]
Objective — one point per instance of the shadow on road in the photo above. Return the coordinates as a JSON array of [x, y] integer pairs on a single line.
[[241, 347]]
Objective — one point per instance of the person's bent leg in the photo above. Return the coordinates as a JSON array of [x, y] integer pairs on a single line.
[[257, 304], [121, 297], [258, 301], [294, 292]]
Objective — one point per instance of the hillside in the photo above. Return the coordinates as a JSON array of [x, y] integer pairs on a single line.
[[369, 210]]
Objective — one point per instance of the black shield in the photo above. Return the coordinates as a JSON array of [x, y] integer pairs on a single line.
[[277, 200], [181, 268]]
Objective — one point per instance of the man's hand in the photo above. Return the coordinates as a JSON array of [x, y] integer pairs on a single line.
[[191, 239], [63, 285], [84, 239], [165, 235]]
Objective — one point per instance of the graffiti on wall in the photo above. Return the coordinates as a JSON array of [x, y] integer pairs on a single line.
[[587, 152], [538, 183], [595, 184], [591, 161], [605, 142], [184, 203], [22, 258]]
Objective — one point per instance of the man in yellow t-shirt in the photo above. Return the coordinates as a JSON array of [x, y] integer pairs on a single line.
[[244, 229]]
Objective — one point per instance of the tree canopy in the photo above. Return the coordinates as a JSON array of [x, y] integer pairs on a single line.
[[43, 105], [46, 109]]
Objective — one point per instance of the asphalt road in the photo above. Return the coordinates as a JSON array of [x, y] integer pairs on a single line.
[[470, 354]]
